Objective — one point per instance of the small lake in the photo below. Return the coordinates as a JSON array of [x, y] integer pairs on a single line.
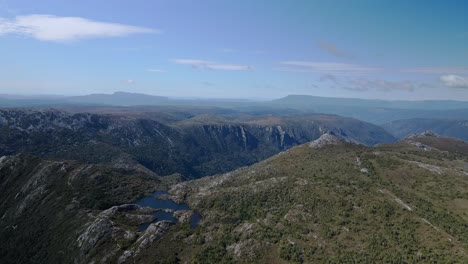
[[154, 202]]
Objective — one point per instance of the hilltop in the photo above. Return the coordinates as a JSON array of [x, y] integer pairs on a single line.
[[457, 128], [341, 202], [325, 201]]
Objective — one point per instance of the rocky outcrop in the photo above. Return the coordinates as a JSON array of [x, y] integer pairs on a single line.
[[325, 140], [183, 216], [426, 133], [103, 227], [245, 229], [153, 233], [58, 204], [246, 249]]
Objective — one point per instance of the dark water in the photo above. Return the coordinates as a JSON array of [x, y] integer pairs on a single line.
[[151, 201]]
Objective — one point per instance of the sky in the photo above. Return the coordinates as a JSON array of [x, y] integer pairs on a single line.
[[395, 50]]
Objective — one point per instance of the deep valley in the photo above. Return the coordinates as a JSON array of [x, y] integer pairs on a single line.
[[210, 185]]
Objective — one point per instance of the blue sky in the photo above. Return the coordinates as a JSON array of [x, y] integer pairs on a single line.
[[239, 49]]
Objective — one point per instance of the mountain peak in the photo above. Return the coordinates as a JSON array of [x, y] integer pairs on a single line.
[[429, 140], [325, 140], [427, 133]]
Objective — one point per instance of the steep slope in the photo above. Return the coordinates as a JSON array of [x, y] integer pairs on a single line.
[[329, 202], [51, 211], [346, 128], [194, 146], [86, 137], [446, 127], [429, 139]]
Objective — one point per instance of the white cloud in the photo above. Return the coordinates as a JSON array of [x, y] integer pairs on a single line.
[[212, 65], [455, 81], [155, 70], [328, 67], [63, 29]]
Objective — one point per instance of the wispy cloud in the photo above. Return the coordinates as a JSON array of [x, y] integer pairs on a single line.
[[355, 88], [328, 67], [328, 77], [437, 70], [367, 84], [336, 68], [64, 29], [331, 48], [128, 82], [155, 70], [212, 65], [207, 83], [132, 49], [454, 81]]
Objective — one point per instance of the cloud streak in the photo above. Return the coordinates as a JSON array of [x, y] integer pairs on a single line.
[[331, 48], [128, 82], [454, 81], [364, 84], [437, 70], [212, 65], [367, 84], [65, 29], [328, 67]]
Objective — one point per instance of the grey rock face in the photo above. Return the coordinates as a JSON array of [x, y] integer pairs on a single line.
[[153, 233]]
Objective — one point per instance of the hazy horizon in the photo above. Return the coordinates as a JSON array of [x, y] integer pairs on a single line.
[[396, 50], [253, 99]]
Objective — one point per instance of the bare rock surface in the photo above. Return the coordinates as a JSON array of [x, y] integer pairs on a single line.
[[325, 140], [183, 216]]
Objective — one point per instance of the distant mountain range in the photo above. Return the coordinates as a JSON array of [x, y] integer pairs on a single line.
[[374, 111], [308, 101], [457, 128], [119, 98]]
